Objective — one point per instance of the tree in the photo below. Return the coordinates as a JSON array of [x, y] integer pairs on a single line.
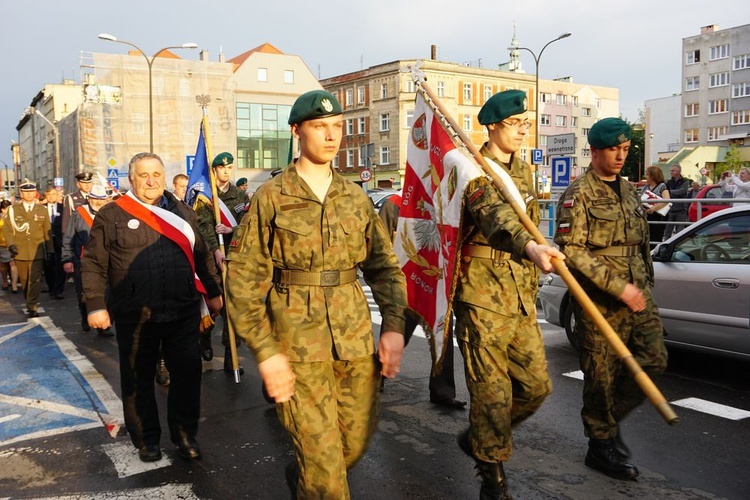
[[732, 163], [634, 164]]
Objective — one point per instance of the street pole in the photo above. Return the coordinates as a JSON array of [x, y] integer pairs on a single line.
[[56, 160], [5, 177], [149, 62], [536, 101]]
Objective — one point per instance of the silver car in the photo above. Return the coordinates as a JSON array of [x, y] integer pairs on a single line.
[[702, 286]]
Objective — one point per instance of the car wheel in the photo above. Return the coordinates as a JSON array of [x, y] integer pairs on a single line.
[[569, 322]]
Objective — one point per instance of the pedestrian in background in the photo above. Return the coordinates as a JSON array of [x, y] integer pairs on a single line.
[[294, 296], [495, 299], [179, 186], [8, 270], [53, 271], [84, 182], [678, 188], [694, 190], [655, 186], [145, 247], [737, 184], [602, 229]]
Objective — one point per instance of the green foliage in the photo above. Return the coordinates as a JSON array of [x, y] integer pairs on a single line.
[[732, 163], [634, 163]]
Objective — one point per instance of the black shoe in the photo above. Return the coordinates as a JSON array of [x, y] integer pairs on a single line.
[[58, 296], [14, 291], [149, 453], [162, 375], [228, 362], [452, 403], [494, 482], [85, 325], [189, 449], [207, 352], [603, 456], [33, 314], [465, 444], [104, 332]]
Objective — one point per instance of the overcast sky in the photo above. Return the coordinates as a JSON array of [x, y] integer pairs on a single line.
[[632, 45]]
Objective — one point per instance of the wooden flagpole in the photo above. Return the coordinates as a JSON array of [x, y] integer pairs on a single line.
[[643, 380]]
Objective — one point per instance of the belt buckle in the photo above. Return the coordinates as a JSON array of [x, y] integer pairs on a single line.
[[330, 278]]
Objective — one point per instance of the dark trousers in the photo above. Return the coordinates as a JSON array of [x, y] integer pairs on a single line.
[[442, 385], [139, 351], [30, 274], [54, 275]]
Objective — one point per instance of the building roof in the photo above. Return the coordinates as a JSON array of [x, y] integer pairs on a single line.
[[266, 48]]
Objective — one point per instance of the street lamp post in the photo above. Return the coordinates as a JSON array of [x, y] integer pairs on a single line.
[[150, 62], [56, 160], [6, 184], [638, 162], [536, 101]]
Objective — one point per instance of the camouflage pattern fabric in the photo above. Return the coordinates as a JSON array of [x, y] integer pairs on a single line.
[[591, 216], [331, 418], [506, 373], [495, 308]]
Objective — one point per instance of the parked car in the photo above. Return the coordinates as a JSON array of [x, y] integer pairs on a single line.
[[378, 196], [710, 192], [702, 287]]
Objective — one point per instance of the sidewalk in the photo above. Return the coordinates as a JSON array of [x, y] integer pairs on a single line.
[[11, 307]]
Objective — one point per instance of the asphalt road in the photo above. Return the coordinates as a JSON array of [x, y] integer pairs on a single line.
[[59, 408]]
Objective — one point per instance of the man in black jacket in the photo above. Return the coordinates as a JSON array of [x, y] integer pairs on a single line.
[[147, 249], [678, 188], [53, 271]]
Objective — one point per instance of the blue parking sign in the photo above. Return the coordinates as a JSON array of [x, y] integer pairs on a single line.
[[561, 167], [115, 183], [537, 156]]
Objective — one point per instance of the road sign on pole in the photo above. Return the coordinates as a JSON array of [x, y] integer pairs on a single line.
[[561, 167], [537, 156]]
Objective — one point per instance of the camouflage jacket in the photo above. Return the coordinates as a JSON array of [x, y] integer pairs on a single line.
[[287, 227], [591, 216], [235, 199], [501, 286]]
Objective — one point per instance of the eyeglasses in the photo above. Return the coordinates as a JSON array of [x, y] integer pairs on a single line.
[[517, 123]]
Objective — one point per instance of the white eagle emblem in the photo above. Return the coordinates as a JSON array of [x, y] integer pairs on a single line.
[[326, 103]]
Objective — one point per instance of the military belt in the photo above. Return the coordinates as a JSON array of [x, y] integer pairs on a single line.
[[622, 251], [286, 277], [484, 252]]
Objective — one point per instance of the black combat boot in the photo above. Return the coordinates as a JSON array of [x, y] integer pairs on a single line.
[[604, 457], [207, 352], [494, 482]]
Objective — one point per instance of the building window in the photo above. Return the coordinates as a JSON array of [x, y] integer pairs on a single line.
[[585, 131], [561, 99], [741, 89], [288, 76], [349, 126], [741, 117], [715, 132], [487, 92], [719, 52], [718, 79], [410, 86], [383, 90], [586, 111], [559, 121], [361, 125], [545, 120], [360, 158], [349, 97], [691, 135], [585, 153], [262, 74], [741, 62], [718, 106], [524, 154], [361, 95], [335, 162], [349, 158], [574, 121], [692, 109], [138, 121], [385, 122], [467, 123], [467, 92], [545, 97], [574, 101], [692, 56], [385, 155], [409, 117], [598, 103], [263, 135], [692, 83], [542, 141], [441, 89]]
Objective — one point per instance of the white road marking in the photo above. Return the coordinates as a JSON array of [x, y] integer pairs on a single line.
[[715, 409], [24, 327], [125, 459], [578, 375], [9, 418], [166, 492], [50, 406]]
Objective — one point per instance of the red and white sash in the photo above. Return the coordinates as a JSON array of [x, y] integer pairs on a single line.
[[86, 215]]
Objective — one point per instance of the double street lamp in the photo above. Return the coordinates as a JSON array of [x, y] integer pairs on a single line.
[[150, 62], [536, 101]]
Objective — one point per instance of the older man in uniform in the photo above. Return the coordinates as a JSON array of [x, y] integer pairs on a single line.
[[28, 233], [84, 182], [235, 201], [294, 296], [495, 301], [603, 231]]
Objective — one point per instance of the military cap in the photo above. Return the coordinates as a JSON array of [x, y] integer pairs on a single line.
[[314, 104], [27, 185], [223, 159], [85, 177], [609, 132], [502, 105], [99, 192], [241, 181]]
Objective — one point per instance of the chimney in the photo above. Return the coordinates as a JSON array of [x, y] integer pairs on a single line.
[[204, 55], [433, 52], [709, 29], [222, 57]]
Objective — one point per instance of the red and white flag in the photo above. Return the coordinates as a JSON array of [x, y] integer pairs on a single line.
[[426, 243]]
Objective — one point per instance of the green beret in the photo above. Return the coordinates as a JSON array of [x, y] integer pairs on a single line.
[[241, 181], [222, 159], [502, 105], [27, 185], [314, 104], [609, 132]]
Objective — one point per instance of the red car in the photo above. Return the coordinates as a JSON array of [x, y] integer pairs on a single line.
[[710, 192]]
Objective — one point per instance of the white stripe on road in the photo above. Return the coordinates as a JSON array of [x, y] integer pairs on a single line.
[[127, 463], [38, 404], [165, 492], [578, 375], [715, 409], [24, 327], [9, 418]]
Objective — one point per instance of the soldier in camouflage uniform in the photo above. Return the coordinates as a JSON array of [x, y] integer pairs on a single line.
[[495, 301], [602, 229], [293, 295], [236, 201]]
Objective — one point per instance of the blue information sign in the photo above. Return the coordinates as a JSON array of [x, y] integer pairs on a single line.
[[561, 167], [537, 156]]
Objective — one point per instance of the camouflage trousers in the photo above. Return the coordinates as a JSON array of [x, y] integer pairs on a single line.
[[331, 418], [610, 392], [506, 373]]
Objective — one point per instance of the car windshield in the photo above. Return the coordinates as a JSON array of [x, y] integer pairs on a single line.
[[725, 240]]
